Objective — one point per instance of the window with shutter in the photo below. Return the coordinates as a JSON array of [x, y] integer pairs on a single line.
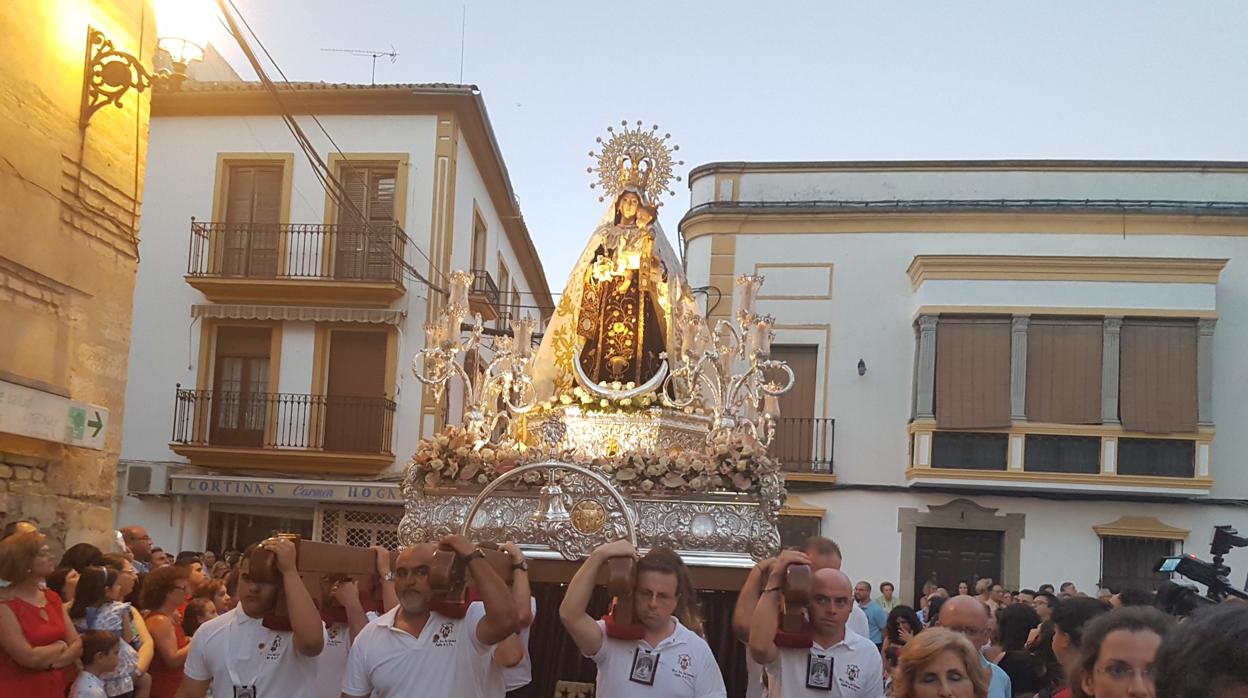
[[365, 247], [249, 240], [1157, 384], [972, 373], [1064, 371], [1130, 563], [504, 283]]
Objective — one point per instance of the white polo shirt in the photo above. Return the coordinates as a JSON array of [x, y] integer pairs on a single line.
[[857, 623], [520, 675], [332, 662], [447, 660], [685, 667], [753, 678], [267, 659], [857, 670]]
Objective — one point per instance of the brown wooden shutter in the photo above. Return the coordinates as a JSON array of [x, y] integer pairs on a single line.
[[381, 253], [351, 240], [266, 218], [381, 196], [268, 197], [355, 182], [242, 189], [972, 373], [1064, 371], [1157, 385], [797, 430]]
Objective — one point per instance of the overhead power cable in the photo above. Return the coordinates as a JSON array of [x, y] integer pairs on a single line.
[[332, 186]]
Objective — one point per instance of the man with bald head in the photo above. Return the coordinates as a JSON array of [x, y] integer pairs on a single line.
[[837, 656], [139, 541], [823, 553], [969, 616], [414, 648]]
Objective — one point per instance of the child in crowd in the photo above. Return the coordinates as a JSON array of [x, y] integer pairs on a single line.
[[198, 611], [99, 657]]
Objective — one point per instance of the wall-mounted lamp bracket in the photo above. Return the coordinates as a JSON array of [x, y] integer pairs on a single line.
[[108, 74]]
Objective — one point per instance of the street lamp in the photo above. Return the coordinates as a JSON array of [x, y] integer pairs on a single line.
[[110, 73]]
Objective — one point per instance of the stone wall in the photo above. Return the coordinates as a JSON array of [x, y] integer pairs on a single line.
[[69, 220]]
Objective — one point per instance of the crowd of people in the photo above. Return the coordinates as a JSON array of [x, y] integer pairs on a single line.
[[139, 622]]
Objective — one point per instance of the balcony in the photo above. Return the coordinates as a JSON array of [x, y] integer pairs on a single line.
[[308, 263], [803, 445], [283, 431], [1065, 457], [483, 296]]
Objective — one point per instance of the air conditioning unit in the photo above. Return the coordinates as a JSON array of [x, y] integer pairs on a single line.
[[146, 479]]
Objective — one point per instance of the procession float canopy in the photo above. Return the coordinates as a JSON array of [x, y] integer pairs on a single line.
[[634, 418]]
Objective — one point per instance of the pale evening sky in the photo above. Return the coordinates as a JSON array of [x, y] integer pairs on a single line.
[[817, 80]]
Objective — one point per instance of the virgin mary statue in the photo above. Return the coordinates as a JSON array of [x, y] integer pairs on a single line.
[[615, 318]]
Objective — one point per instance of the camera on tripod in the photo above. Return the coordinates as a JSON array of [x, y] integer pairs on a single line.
[[1181, 599]]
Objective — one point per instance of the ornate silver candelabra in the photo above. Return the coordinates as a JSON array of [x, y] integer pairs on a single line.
[[727, 369], [494, 390]]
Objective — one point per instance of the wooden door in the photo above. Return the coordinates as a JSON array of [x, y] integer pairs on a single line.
[[797, 430], [240, 396], [365, 246], [250, 237], [355, 393], [951, 555]]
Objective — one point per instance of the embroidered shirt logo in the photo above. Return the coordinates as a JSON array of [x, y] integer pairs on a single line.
[[443, 638], [275, 649], [681, 669], [851, 672]]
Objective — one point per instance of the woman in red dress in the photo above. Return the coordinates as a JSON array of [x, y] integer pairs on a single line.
[[37, 640], [164, 590]]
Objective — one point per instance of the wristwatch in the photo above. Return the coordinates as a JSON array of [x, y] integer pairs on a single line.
[[523, 565], [474, 555], [387, 577]]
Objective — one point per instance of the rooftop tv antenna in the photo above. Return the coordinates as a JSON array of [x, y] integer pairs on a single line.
[[366, 53]]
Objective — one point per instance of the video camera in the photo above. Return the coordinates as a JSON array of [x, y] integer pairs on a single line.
[[1180, 599]]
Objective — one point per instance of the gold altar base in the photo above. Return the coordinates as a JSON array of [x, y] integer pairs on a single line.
[[591, 434]]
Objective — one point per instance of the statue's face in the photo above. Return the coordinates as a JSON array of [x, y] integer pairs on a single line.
[[628, 205]]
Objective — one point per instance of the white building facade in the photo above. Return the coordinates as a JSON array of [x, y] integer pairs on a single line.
[[1029, 371], [277, 316]]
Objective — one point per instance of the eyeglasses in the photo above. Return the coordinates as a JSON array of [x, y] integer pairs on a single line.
[[1125, 672]]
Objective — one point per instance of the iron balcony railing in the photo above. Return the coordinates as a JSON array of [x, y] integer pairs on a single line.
[[804, 444], [357, 252], [283, 420], [483, 286]]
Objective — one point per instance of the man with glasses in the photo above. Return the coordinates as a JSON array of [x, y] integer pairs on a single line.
[[836, 657], [414, 650], [969, 616], [1044, 603], [139, 542]]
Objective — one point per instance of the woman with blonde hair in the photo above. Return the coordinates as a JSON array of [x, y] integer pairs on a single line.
[[940, 663]]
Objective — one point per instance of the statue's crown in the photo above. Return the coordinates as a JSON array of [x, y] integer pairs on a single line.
[[635, 159], [635, 170]]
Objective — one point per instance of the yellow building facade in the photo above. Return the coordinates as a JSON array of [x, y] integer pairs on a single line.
[[70, 190]]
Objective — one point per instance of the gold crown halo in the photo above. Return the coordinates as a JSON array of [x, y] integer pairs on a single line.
[[636, 158]]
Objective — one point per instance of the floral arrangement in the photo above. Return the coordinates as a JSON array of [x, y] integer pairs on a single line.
[[733, 463], [579, 397], [582, 399], [452, 457]]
